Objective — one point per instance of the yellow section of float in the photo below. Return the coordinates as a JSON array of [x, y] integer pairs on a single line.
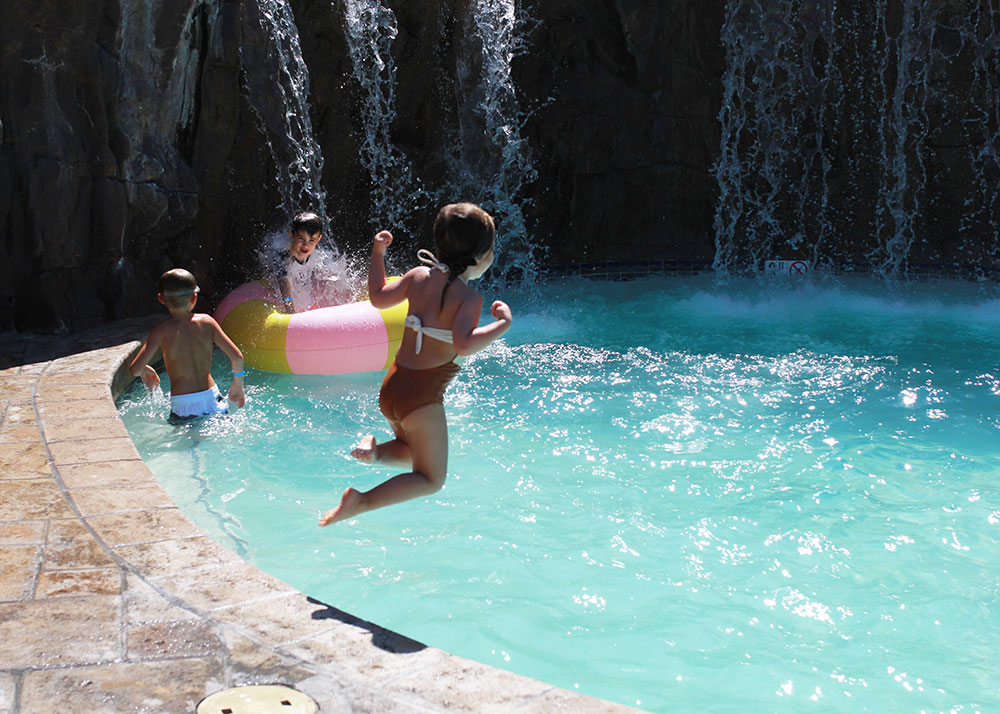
[[394, 318], [260, 330]]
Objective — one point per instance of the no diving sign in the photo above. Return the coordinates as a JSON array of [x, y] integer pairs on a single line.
[[786, 267]]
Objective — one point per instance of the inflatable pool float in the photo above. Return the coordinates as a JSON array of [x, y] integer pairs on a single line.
[[356, 337]]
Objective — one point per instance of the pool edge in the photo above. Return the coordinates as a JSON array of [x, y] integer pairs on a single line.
[[116, 594]]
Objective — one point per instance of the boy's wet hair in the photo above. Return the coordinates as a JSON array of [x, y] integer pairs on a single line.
[[176, 287], [308, 222], [463, 233]]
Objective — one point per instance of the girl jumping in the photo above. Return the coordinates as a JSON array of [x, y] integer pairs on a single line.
[[442, 322]]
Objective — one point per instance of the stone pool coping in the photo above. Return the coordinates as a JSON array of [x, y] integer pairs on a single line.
[[111, 600]]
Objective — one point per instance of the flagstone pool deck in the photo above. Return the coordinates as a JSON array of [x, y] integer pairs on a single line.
[[111, 600]]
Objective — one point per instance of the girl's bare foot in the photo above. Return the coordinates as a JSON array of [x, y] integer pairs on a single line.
[[364, 450], [350, 505]]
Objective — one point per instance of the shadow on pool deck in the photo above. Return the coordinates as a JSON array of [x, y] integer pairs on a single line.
[[111, 600]]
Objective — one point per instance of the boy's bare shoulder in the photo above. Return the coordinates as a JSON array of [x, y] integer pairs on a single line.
[[160, 329], [204, 318]]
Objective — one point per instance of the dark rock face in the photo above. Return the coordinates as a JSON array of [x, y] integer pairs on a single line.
[[140, 136], [122, 130], [129, 145]]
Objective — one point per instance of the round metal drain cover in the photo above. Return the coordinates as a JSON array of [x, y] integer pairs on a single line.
[[258, 699]]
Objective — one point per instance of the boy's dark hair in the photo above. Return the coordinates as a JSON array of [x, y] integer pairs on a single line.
[[308, 222], [463, 233], [176, 287]]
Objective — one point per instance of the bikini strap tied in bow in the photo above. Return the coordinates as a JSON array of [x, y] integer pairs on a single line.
[[430, 260]]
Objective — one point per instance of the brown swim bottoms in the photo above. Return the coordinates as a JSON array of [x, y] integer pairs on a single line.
[[405, 390]]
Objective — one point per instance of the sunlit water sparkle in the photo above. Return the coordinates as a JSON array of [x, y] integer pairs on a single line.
[[666, 492]]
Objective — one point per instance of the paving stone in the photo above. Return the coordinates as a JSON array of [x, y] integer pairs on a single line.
[[166, 687], [18, 568], [22, 532], [17, 434], [93, 450], [253, 663], [8, 687], [178, 638], [18, 386], [85, 376], [287, 618], [460, 685], [123, 529], [557, 701], [190, 555], [19, 412], [83, 429], [350, 650], [70, 545], [224, 586], [119, 499], [24, 460], [32, 499], [49, 391], [77, 583], [105, 473], [82, 409], [59, 632]]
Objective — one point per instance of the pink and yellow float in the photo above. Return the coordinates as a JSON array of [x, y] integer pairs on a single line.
[[356, 337]]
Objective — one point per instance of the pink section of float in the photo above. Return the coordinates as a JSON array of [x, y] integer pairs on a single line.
[[356, 341], [244, 293]]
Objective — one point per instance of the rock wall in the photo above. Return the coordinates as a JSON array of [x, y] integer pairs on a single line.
[[128, 144], [125, 148], [136, 136]]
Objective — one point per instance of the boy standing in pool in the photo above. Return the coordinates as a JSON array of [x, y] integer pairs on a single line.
[[442, 323], [186, 339], [305, 280]]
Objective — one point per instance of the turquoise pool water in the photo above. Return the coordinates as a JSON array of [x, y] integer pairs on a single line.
[[671, 493]]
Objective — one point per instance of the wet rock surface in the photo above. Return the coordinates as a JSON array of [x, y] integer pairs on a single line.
[[137, 137]]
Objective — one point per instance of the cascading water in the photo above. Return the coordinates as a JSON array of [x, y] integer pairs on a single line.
[[495, 164], [839, 133], [980, 37], [280, 99], [370, 30]]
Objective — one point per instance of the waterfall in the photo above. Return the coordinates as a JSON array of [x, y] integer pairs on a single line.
[[774, 110], [370, 30], [839, 133], [903, 131], [495, 166], [981, 38], [279, 98]]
